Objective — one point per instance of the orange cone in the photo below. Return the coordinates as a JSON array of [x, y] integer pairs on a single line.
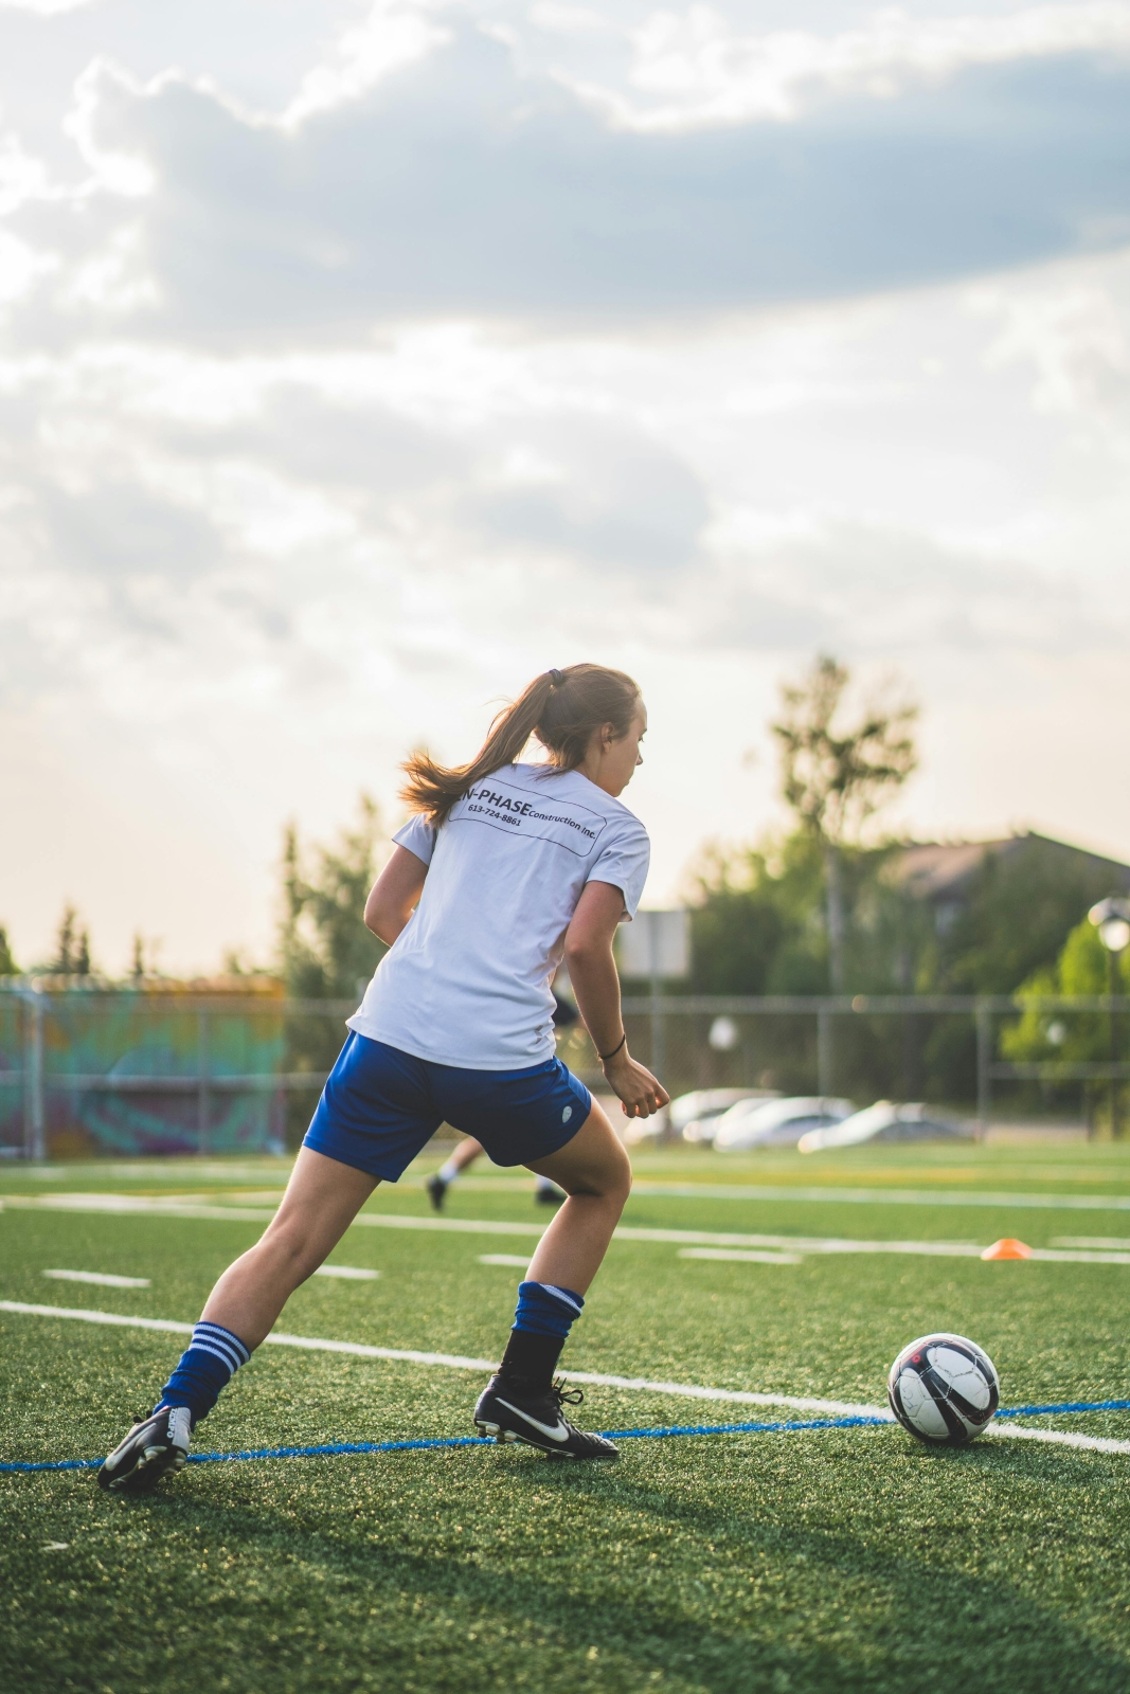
[[1007, 1248]]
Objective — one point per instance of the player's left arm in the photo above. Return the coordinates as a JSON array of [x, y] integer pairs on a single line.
[[395, 894]]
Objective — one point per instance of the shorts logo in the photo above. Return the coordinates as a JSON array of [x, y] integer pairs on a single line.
[[567, 1114]]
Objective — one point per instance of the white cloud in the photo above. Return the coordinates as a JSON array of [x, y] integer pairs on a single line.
[[392, 37], [20, 265], [45, 8], [693, 69]]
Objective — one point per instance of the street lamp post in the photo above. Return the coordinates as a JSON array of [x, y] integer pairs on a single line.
[[1111, 917]]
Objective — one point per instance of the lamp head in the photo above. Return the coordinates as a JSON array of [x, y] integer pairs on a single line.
[[1111, 917]]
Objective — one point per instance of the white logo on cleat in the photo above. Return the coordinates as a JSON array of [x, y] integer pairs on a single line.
[[560, 1433]]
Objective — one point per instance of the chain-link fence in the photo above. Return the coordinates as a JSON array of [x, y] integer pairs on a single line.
[[88, 1072]]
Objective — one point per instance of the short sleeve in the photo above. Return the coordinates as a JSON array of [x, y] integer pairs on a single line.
[[623, 863], [419, 836]]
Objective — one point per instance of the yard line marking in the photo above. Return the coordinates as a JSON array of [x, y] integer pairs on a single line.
[[741, 1255], [880, 1196], [104, 1278], [454, 1361], [349, 1272], [1113, 1241], [128, 1205], [503, 1259]]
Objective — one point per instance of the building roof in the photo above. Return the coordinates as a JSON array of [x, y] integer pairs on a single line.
[[942, 870]]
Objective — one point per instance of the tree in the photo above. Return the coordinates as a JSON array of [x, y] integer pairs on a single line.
[[8, 965], [837, 774], [1069, 1037], [72, 946], [325, 951]]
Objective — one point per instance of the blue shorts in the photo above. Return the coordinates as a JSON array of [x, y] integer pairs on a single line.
[[380, 1106]]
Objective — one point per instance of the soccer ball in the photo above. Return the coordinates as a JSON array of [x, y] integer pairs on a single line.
[[944, 1389]]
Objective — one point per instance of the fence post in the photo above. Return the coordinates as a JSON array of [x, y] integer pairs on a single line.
[[824, 1051], [204, 1093], [658, 1055], [34, 1115], [984, 1019]]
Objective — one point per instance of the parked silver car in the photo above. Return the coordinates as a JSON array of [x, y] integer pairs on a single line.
[[776, 1123], [884, 1121]]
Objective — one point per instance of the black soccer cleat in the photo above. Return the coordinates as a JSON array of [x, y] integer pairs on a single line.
[[155, 1447], [510, 1414], [548, 1194], [437, 1189]]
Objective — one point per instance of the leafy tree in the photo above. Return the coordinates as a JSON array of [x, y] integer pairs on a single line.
[[1020, 912], [1068, 1037], [837, 771], [325, 950], [8, 965]]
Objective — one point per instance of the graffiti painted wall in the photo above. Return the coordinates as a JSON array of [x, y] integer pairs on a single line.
[[162, 1069]]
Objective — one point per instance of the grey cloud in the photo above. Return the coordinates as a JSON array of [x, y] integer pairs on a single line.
[[868, 589], [460, 186], [611, 498], [367, 449]]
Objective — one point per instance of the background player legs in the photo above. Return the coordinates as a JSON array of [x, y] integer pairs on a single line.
[[594, 1171], [465, 1154], [322, 1198]]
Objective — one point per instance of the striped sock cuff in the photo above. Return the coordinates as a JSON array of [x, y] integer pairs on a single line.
[[545, 1309], [213, 1338]]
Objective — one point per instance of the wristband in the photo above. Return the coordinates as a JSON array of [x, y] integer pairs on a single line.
[[604, 1057]]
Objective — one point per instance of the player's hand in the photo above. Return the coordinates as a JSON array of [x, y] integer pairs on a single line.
[[640, 1094]]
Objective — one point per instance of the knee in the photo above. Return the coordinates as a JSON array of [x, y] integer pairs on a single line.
[[290, 1253], [619, 1184]]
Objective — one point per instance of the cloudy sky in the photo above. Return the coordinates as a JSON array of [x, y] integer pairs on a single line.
[[359, 361]]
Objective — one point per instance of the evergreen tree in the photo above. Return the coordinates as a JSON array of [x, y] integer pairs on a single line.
[[8, 965], [72, 946]]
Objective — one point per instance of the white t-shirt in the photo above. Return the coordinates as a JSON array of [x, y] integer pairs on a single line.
[[466, 983]]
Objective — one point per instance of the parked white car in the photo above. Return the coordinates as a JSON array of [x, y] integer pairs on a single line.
[[884, 1121], [695, 1116], [776, 1123]]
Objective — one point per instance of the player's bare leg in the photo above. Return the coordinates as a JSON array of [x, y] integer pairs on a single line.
[[322, 1198], [321, 1201]]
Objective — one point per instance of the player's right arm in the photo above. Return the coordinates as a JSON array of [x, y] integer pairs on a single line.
[[592, 972], [395, 894]]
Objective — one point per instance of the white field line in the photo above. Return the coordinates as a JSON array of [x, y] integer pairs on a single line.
[[502, 1259], [105, 1279], [600, 1379], [348, 1273], [658, 1190], [455, 1361], [1114, 1242], [126, 1205], [1060, 1438], [741, 1255]]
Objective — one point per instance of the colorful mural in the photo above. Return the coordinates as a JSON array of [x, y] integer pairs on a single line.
[[162, 1068]]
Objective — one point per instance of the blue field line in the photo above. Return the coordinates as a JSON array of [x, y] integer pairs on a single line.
[[1065, 1406], [432, 1443]]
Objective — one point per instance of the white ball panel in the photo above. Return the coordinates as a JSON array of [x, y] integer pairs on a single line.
[[919, 1407], [961, 1374]]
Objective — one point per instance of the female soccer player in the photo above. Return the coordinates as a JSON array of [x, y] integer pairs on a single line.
[[504, 869]]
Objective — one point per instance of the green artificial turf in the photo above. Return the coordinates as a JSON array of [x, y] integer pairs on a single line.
[[844, 1559]]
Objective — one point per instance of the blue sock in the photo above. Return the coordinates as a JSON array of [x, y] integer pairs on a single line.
[[211, 1360], [541, 1324], [545, 1309]]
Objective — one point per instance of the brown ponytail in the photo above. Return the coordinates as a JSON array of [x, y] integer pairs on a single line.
[[561, 708]]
